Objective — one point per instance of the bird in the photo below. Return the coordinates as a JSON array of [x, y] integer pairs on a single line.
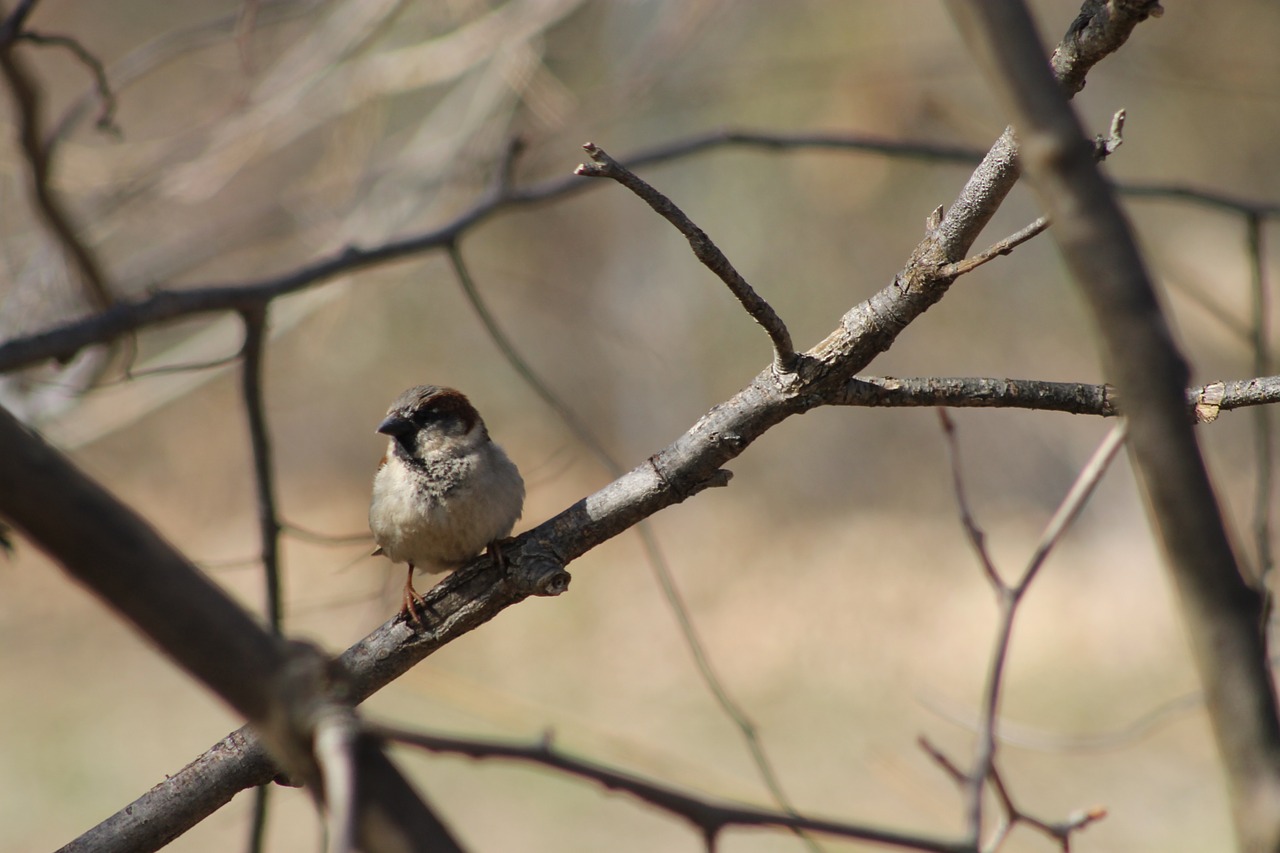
[[444, 491]]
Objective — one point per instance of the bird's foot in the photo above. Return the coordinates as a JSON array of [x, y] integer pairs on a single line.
[[415, 606]]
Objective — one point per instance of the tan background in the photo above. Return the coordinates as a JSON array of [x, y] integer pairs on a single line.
[[831, 581]]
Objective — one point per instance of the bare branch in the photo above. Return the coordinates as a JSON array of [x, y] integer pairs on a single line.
[[1060, 831], [27, 103], [106, 120], [1009, 598], [709, 816], [1085, 483], [977, 538], [1004, 247], [1078, 398], [604, 166], [255, 328], [1209, 198]]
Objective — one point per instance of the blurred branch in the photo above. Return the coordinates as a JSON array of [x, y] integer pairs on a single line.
[[1060, 831], [106, 115], [27, 104], [1009, 597], [1222, 613], [604, 166], [172, 45], [1195, 195], [16, 20], [255, 322], [336, 737], [708, 816], [255, 328]]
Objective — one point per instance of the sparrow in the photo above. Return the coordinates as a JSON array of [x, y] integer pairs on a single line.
[[444, 491]]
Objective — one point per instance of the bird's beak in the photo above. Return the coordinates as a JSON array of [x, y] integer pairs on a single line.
[[396, 426]]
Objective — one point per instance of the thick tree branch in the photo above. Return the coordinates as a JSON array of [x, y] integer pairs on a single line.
[[1223, 614], [282, 688]]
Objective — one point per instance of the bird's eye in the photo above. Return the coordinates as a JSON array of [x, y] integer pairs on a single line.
[[430, 416]]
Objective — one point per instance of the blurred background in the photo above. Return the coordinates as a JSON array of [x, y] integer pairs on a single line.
[[832, 582]]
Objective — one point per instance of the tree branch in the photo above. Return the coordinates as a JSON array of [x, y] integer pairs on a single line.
[[604, 166], [1223, 614], [281, 687], [26, 99], [1203, 403], [708, 816]]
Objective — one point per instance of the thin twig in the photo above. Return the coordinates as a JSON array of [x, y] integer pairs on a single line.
[[106, 120], [56, 218], [977, 538], [258, 819], [1011, 815], [255, 327], [1004, 247], [604, 166], [166, 369], [1010, 597], [942, 760], [1060, 831], [1077, 496], [975, 782]]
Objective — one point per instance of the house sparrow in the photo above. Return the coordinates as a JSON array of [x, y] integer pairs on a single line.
[[444, 490]]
